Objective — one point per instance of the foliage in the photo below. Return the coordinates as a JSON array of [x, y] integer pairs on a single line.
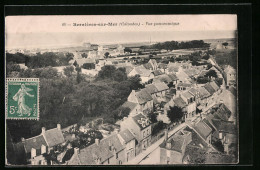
[[15, 58], [218, 145], [152, 117], [196, 155], [86, 139], [202, 80], [225, 44], [175, 114], [88, 66], [127, 49], [106, 54], [226, 58], [112, 73], [211, 73], [219, 81], [48, 59], [84, 55], [157, 127], [68, 71], [173, 45], [11, 67]]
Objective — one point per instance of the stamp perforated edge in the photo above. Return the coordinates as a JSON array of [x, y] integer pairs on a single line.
[[6, 97]]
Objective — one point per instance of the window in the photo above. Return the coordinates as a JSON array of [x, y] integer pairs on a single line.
[[116, 155], [144, 134], [147, 131]]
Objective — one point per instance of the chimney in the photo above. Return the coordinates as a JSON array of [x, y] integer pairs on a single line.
[[97, 141], [58, 127], [76, 150], [43, 130], [166, 135], [22, 139], [168, 145]]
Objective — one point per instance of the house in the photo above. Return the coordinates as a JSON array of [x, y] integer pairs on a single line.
[[153, 63], [196, 94], [107, 151], [134, 108], [128, 140], [191, 104], [157, 73], [152, 90], [212, 91], [172, 149], [182, 76], [140, 127], [143, 99], [174, 79], [230, 75], [145, 75], [36, 146], [204, 96], [203, 130], [181, 86], [162, 89], [162, 67]]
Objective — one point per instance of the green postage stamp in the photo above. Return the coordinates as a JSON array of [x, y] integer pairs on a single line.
[[22, 98]]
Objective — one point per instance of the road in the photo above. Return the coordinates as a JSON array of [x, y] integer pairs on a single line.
[[153, 147]]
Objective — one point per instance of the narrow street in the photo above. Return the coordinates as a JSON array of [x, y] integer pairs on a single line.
[[139, 158]]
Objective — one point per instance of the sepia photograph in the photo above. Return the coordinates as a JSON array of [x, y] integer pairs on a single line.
[[121, 90]]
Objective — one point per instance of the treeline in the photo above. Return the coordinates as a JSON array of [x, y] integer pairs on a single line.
[[65, 100], [174, 45], [40, 60]]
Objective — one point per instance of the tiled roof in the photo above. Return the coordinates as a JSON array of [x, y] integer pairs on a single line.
[[176, 140], [203, 93], [181, 84], [34, 142], [126, 135], [179, 102], [161, 86], [187, 95], [141, 70], [209, 88], [223, 112], [214, 85], [173, 69], [208, 121], [54, 137], [157, 72], [193, 91], [129, 105], [150, 88], [162, 65], [143, 96], [163, 78], [148, 66], [141, 120], [173, 76], [128, 69], [203, 129], [224, 126], [88, 155]]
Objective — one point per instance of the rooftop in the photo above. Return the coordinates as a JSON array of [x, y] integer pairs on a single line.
[[143, 96], [126, 135], [129, 105], [203, 129], [141, 120], [179, 102]]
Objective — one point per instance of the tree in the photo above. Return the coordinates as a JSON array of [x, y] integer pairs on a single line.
[[175, 114], [106, 54], [68, 71], [127, 49], [211, 73], [75, 63], [225, 44], [152, 117]]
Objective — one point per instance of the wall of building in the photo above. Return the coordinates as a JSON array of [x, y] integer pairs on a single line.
[[170, 155]]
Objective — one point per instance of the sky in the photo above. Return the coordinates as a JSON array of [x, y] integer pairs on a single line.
[[49, 31]]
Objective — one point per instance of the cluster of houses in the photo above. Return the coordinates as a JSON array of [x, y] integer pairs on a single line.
[[171, 84], [209, 128]]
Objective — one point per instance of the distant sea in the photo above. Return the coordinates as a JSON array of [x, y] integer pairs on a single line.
[[68, 39]]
